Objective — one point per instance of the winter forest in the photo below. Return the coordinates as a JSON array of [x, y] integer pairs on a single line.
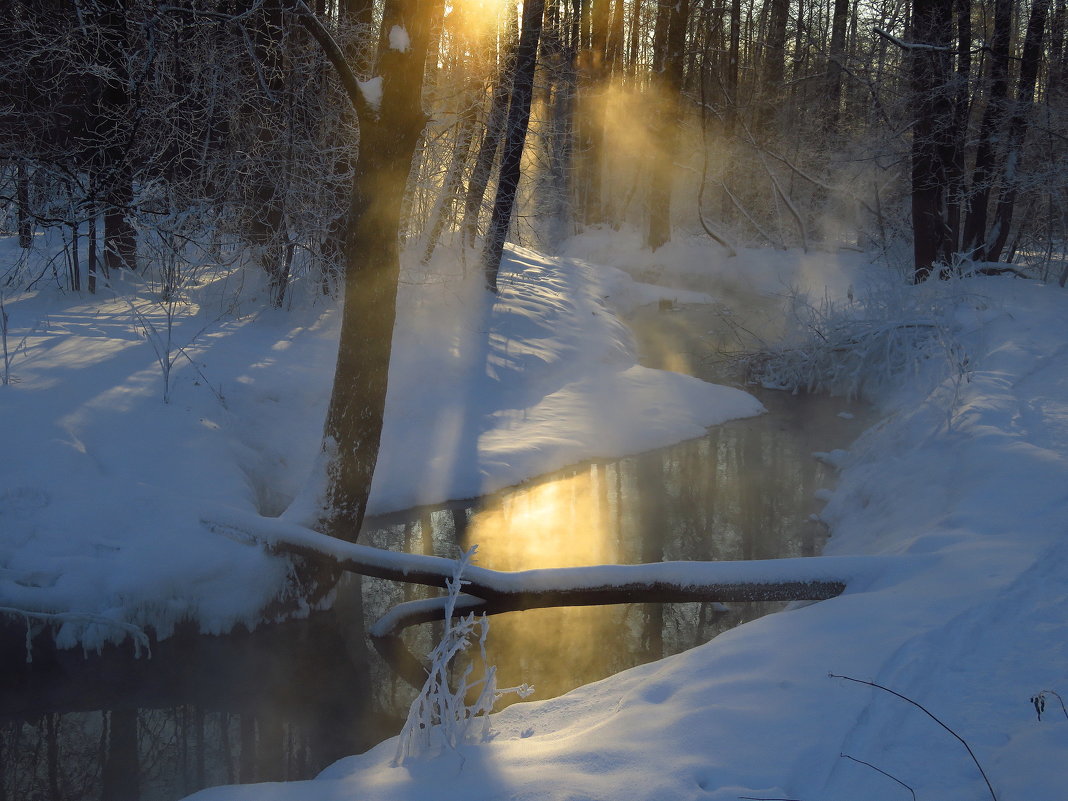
[[713, 355]]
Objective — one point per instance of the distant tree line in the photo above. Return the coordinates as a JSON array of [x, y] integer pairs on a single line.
[[308, 140], [782, 122]]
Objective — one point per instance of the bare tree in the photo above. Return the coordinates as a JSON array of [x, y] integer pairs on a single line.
[[391, 124], [515, 140]]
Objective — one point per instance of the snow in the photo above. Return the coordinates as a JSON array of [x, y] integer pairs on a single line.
[[105, 490], [961, 494], [398, 39], [251, 528], [951, 514], [371, 89]]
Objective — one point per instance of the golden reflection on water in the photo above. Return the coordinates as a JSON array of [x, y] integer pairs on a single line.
[[743, 491], [559, 523]]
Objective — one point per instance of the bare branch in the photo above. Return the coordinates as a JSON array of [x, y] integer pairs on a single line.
[[929, 714], [910, 45], [332, 51]]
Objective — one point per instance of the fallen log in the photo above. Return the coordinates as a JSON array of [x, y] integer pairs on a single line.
[[494, 591]]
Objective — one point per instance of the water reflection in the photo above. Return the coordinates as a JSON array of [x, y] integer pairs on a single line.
[[745, 491], [274, 705], [284, 702]]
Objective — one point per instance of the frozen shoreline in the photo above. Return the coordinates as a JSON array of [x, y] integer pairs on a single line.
[[101, 513], [967, 480]]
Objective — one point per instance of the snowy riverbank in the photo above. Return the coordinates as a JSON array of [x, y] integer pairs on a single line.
[[967, 485], [103, 487]]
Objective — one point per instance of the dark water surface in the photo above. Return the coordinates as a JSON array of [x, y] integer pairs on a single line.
[[283, 702]]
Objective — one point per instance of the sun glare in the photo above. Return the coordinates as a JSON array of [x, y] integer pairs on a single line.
[[476, 18], [559, 523]]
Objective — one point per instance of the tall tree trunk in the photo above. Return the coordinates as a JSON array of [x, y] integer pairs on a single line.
[[1018, 125], [22, 195], [592, 105], [668, 81], [986, 162], [120, 241], [930, 68], [961, 107], [515, 140], [774, 62], [614, 51], [634, 38], [1057, 53], [731, 78], [560, 52], [835, 58], [491, 137], [389, 133]]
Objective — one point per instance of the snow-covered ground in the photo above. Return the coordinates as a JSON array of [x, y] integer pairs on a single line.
[[103, 488], [964, 488]]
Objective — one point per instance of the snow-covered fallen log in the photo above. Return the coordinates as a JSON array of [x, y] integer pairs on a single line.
[[495, 591]]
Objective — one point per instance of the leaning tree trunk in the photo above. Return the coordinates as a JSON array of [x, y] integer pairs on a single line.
[[515, 140], [491, 139]]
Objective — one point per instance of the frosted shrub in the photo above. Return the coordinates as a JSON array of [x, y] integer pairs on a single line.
[[861, 346], [440, 715]]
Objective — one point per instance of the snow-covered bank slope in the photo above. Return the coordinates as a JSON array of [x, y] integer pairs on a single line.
[[102, 486], [485, 392], [969, 485]]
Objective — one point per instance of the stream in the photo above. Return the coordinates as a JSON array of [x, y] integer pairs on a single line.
[[283, 702]]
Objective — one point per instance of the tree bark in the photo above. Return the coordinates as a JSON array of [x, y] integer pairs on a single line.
[[22, 190], [120, 240], [593, 72], [774, 61], [930, 56], [560, 53], [491, 138], [731, 81], [835, 58], [515, 140], [667, 81], [1018, 125], [986, 168], [961, 108], [494, 591], [388, 138]]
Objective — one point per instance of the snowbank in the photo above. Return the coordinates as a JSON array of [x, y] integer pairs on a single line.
[[970, 482], [103, 487]]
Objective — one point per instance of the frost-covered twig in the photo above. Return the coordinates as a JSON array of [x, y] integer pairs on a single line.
[[136, 633], [440, 712], [862, 345], [1038, 700]]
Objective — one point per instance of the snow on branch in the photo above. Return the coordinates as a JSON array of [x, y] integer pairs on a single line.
[[495, 591], [365, 96], [910, 45], [30, 616]]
